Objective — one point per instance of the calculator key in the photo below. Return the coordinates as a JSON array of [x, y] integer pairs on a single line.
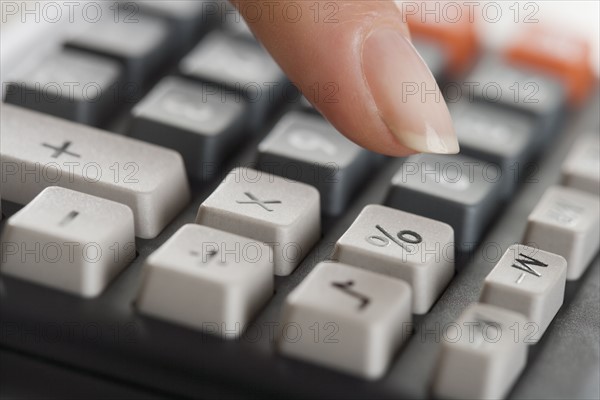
[[495, 81], [38, 151], [359, 316], [187, 19], [581, 169], [306, 105], [139, 44], [456, 34], [528, 281], [69, 84], [240, 65], [234, 23], [202, 122], [230, 61], [460, 191], [68, 241], [418, 250], [434, 56], [566, 222], [559, 53], [208, 280], [487, 356], [280, 212], [496, 135], [308, 149]]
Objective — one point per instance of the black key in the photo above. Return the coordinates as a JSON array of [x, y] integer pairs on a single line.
[[306, 105], [240, 65], [233, 22], [139, 42], [460, 191], [521, 89], [306, 148], [187, 19], [433, 55], [498, 135], [200, 121], [70, 84]]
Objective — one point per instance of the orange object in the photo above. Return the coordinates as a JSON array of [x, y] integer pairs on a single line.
[[557, 53], [453, 28]]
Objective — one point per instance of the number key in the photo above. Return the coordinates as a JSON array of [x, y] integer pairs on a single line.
[[240, 65], [460, 191], [203, 123], [308, 149], [68, 84], [496, 135]]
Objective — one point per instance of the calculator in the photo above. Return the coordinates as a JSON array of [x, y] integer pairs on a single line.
[[179, 221]]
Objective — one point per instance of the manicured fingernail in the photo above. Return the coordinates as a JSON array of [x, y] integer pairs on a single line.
[[406, 94]]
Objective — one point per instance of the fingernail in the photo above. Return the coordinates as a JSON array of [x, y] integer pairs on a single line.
[[406, 93]]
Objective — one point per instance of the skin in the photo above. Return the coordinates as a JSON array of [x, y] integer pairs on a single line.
[[364, 55]]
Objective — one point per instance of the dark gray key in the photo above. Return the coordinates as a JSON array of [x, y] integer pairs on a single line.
[[187, 19], [308, 149], [200, 121], [140, 43], [233, 21], [498, 135], [306, 105], [239, 65], [460, 191], [433, 55], [495, 81], [69, 84]]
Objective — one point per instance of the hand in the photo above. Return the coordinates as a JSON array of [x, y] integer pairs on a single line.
[[366, 52]]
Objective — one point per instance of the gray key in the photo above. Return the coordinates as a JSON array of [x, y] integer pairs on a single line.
[[264, 207], [306, 105], [203, 123], [496, 135], [207, 279], [233, 21], [495, 81], [433, 55], [528, 281], [581, 168], [69, 84], [418, 250], [240, 65], [460, 191], [566, 221], [187, 19], [485, 356], [308, 149], [368, 313], [79, 242], [140, 44]]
